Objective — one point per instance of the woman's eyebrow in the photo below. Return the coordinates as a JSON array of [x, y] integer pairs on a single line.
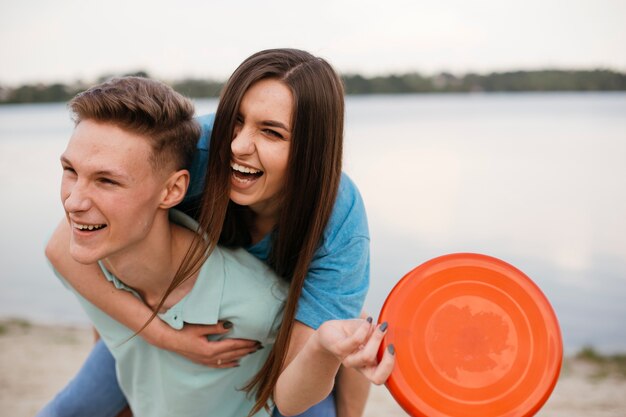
[[274, 123]]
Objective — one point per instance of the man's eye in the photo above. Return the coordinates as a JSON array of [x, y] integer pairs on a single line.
[[108, 181], [69, 172]]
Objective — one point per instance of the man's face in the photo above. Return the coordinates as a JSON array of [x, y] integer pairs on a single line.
[[109, 190]]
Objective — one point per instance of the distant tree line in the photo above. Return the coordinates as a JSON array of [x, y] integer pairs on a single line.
[[546, 80], [516, 81]]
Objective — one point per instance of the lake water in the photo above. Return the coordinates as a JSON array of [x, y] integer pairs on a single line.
[[538, 180]]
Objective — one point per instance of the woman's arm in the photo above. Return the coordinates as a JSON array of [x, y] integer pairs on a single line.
[[190, 342], [314, 358], [335, 288], [351, 391]]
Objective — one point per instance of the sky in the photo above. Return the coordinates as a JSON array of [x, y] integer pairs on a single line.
[[67, 40]]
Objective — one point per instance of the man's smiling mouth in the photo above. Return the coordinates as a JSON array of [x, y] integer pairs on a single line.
[[89, 226]]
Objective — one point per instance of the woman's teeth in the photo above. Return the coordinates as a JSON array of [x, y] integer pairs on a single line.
[[245, 170]]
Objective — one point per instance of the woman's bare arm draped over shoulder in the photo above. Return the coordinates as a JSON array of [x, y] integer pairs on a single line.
[[190, 342]]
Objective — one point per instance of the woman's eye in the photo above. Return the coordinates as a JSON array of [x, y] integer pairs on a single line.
[[273, 133]]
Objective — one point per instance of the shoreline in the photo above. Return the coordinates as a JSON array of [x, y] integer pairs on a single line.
[[37, 360]]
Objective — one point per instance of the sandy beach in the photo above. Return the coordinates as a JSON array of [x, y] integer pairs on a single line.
[[37, 360]]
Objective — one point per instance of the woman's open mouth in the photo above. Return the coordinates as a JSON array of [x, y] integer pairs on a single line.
[[243, 174]]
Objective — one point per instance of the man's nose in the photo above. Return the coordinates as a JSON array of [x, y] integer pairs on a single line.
[[77, 198]]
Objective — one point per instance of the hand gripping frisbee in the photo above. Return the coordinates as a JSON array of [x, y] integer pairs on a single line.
[[473, 336]]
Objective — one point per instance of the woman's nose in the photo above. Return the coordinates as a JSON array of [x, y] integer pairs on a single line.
[[243, 142]]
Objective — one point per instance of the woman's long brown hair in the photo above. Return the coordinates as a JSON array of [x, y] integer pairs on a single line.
[[313, 174]]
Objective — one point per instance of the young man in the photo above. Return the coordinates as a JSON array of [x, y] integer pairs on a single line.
[[124, 168]]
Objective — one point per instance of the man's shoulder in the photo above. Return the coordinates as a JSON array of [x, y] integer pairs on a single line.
[[247, 267]]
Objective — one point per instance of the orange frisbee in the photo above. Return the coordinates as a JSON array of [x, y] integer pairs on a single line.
[[473, 336]]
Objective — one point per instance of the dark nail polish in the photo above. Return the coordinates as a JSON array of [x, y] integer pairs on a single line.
[[227, 324], [391, 349], [383, 327], [370, 319], [258, 347]]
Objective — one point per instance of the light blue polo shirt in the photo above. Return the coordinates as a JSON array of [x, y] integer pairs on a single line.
[[232, 285]]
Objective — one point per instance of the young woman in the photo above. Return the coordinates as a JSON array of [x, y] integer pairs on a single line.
[[274, 186]]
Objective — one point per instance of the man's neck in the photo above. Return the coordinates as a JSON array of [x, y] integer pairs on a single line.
[[149, 266]]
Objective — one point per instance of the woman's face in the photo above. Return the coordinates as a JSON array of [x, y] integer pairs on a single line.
[[260, 146]]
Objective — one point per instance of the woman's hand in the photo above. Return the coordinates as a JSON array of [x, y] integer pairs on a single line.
[[309, 373], [355, 343], [192, 343]]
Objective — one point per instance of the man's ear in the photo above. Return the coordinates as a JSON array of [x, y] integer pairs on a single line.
[[175, 189]]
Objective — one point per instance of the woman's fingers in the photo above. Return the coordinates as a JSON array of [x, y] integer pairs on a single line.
[[370, 350], [381, 372], [225, 351], [237, 354], [222, 365], [365, 356], [231, 359], [356, 340], [229, 345], [210, 329], [365, 359], [194, 343]]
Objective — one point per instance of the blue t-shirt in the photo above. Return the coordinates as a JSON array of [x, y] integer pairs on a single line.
[[338, 278]]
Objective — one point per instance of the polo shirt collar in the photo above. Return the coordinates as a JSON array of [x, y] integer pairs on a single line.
[[202, 304]]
